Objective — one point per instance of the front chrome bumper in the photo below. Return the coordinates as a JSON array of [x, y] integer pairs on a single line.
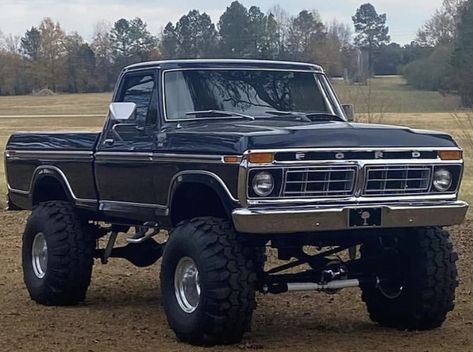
[[313, 219]]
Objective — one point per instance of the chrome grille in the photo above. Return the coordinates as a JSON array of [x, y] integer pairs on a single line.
[[397, 180], [319, 182]]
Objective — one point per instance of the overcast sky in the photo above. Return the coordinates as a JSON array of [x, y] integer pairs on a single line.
[[404, 16]]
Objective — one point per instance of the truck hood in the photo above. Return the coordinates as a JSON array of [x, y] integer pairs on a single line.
[[226, 137]]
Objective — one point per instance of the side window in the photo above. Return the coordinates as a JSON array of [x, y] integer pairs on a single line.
[[139, 89]]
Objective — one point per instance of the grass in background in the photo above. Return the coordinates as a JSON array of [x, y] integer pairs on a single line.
[[392, 94], [63, 104], [10, 125]]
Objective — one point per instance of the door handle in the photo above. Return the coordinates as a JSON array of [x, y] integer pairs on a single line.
[[109, 141]]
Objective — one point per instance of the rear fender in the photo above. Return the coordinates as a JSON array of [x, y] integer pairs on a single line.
[[43, 172]]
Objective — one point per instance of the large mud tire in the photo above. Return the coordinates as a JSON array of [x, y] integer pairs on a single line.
[[424, 265], [222, 312], [58, 255]]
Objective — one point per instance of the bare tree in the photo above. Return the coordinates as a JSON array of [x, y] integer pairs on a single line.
[[283, 20], [464, 121], [441, 28], [101, 40], [10, 43], [341, 32], [52, 50]]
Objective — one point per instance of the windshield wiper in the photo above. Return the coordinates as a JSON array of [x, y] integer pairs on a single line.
[[288, 113], [324, 116], [221, 113], [310, 116]]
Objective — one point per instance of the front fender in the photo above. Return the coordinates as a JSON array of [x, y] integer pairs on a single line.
[[208, 179]]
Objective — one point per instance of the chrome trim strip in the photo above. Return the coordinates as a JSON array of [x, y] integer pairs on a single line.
[[74, 152], [123, 156], [160, 157], [158, 63], [362, 161], [188, 158], [351, 200], [52, 154], [336, 217], [352, 149], [19, 191], [200, 172], [243, 173], [326, 98], [134, 204]]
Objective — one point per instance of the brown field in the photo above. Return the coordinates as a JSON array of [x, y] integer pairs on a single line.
[[123, 311]]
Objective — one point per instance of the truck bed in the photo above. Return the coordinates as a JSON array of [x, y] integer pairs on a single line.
[[33, 155]]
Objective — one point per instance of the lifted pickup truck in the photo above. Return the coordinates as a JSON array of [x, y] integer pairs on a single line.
[[232, 157]]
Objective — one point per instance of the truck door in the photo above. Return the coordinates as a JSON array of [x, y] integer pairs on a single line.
[[124, 168]]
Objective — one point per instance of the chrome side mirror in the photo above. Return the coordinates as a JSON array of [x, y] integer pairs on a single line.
[[349, 110], [122, 111]]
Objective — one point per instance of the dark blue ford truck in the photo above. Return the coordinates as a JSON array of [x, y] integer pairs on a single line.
[[230, 157]]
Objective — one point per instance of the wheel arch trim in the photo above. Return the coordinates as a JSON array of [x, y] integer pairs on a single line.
[[206, 178], [53, 171]]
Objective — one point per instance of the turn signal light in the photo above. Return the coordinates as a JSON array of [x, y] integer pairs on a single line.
[[261, 158], [450, 154], [231, 159]]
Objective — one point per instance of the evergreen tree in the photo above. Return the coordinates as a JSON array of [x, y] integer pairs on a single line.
[[235, 36], [371, 30], [79, 65], [169, 42], [196, 36], [305, 31], [31, 44], [131, 42]]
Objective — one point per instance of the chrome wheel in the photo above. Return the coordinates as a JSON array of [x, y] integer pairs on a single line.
[[39, 257], [186, 285]]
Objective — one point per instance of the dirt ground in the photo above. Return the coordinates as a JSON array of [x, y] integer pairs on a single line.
[[123, 313]]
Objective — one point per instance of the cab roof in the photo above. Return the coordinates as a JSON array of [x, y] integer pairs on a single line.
[[226, 63]]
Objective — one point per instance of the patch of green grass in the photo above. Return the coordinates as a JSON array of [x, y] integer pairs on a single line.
[[392, 94], [62, 104]]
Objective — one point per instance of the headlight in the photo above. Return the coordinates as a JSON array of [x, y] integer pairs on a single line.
[[442, 180], [263, 184]]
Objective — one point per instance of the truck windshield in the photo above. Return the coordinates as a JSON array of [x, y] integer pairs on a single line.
[[217, 93]]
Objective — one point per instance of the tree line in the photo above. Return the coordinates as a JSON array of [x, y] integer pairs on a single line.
[[48, 57], [446, 61]]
